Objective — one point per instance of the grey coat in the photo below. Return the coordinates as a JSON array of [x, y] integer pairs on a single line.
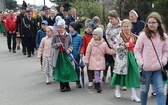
[[68, 46]]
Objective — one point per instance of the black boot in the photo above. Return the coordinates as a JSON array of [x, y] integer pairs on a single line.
[[95, 85], [62, 88], [67, 86], [98, 87]]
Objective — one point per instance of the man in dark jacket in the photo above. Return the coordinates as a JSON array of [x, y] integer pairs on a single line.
[[72, 18], [28, 32], [41, 18], [51, 19], [18, 25], [61, 10]]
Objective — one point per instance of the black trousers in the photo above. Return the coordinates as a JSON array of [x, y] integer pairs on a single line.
[[77, 69], [13, 37], [23, 39], [30, 45]]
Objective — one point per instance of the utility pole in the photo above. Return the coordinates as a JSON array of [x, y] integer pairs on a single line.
[[120, 8], [44, 2]]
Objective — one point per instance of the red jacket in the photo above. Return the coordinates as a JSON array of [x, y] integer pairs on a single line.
[[85, 41], [10, 23]]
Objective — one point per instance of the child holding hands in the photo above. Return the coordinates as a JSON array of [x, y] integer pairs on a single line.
[[125, 71], [85, 41], [45, 51], [95, 53]]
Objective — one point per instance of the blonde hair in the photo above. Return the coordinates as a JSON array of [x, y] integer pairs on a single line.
[[73, 9], [50, 27], [126, 21], [54, 12]]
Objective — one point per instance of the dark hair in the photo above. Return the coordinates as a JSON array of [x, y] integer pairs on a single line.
[[24, 4], [160, 28]]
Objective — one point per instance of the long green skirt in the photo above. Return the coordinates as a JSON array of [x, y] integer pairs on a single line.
[[132, 77], [110, 63], [2, 28], [64, 70]]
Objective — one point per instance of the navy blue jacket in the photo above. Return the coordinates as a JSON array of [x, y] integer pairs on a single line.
[[137, 26], [40, 34]]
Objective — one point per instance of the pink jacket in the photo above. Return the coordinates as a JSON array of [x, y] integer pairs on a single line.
[[95, 53], [145, 54], [45, 49]]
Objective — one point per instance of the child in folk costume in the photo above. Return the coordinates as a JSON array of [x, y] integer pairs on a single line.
[[113, 30], [63, 69], [85, 41], [3, 16], [45, 50], [125, 68], [77, 44], [95, 52]]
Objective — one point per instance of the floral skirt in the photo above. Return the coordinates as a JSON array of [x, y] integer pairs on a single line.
[[64, 70], [131, 79], [47, 68]]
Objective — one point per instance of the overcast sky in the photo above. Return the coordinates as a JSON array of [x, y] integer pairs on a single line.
[[36, 2]]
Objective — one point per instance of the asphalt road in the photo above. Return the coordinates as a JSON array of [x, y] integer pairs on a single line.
[[22, 83]]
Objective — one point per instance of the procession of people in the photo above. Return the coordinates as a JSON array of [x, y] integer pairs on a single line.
[[126, 46]]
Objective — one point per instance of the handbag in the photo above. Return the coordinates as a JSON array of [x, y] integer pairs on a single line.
[[166, 66], [163, 71]]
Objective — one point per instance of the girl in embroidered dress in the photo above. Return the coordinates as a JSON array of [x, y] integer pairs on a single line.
[[125, 68], [45, 51], [63, 69]]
